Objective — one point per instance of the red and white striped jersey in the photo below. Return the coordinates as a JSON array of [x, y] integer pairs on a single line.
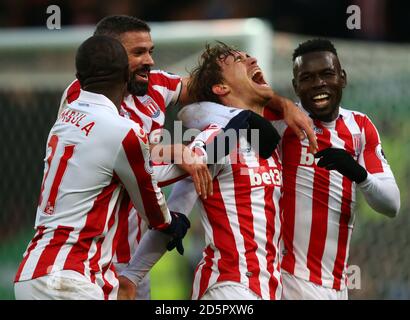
[[241, 221], [95, 161], [149, 112], [318, 205]]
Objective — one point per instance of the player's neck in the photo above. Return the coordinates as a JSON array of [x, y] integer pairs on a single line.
[[114, 93]]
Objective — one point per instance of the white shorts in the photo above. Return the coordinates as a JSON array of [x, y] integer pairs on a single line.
[[229, 290], [144, 287], [295, 288], [61, 285]]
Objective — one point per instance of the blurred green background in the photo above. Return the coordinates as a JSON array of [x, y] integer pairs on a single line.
[[378, 84]]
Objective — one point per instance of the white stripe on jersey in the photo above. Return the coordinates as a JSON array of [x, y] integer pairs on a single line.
[[304, 186], [229, 199]]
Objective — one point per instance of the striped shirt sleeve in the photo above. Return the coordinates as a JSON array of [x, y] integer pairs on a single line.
[[133, 168]]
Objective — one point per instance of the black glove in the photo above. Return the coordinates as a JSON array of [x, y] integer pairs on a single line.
[[177, 229], [268, 136], [343, 162]]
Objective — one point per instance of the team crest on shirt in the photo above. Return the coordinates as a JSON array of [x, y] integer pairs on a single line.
[[151, 106]]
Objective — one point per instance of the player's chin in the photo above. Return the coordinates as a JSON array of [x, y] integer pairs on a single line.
[[137, 88], [263, 88]]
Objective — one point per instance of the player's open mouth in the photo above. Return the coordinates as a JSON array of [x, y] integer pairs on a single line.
[[257, 77], [141, 76], [321, 99]]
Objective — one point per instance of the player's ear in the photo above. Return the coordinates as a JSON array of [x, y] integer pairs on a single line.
[[220, 89], [295, 86]]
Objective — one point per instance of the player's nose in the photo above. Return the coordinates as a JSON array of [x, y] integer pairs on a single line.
[[149, 60]]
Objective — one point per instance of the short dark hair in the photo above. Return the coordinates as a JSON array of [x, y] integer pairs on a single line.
[[101, 60], [208, 72], [314, 45], [115, 26]]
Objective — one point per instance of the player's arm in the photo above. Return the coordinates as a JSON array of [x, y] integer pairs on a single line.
[[193, 161], [153, 244], [133, 168], [298, 121], [184, 97]]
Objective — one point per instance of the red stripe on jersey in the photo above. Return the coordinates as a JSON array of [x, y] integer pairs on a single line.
[[94, 226], [206, 271], [108, 287], [46, 261], [37, 237], [132, 148], [345, 135], [120, 244], [73, 91], [372, 162], [320, 205], [95, 260], [53, 145], [271, 115], [62, 166], [164, 81], [171, 181], [290, 162], [245, 218], [94, 266], [133, 116], [224, 239], [270, 214], [343, 233]]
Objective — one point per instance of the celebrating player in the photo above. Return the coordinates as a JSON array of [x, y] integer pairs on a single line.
[[320, 190], [242, 218], [95, 160]]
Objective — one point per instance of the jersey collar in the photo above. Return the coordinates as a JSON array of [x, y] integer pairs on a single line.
[[97, 99]]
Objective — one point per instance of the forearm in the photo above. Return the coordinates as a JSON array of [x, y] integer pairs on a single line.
[[170, 153], [382, 194], [278, 103], [152, 247]]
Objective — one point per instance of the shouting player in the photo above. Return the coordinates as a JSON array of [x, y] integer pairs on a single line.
[[95, 160], [241, 219]]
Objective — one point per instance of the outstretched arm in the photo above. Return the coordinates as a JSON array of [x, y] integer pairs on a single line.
[[298, 121]]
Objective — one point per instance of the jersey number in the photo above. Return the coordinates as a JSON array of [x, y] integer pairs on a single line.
[[61, 166]]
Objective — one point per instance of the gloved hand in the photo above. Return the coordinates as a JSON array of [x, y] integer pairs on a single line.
[[268, 136], [177, 229], [343, 162]]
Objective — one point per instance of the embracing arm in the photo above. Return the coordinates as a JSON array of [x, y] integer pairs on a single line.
[[298, 121]]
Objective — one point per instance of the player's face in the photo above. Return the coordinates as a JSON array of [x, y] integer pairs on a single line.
[[245, 79], [139, 47], [319, 82]]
